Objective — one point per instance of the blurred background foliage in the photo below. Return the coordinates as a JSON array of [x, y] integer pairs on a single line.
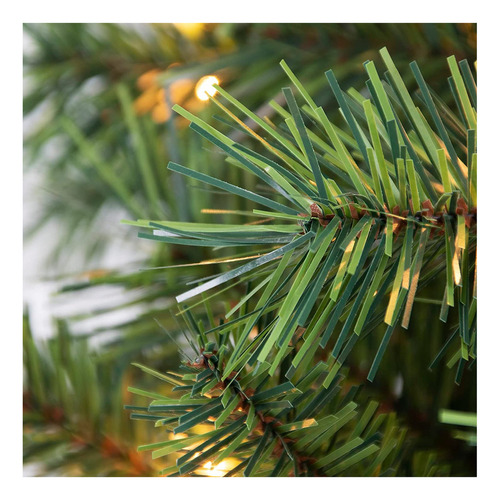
[[98, 135]]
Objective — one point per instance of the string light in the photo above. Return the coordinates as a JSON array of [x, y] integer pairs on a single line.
[[205, 87], [219, 469], [193, 31]]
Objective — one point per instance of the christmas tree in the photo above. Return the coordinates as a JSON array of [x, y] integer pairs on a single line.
[[328, 231]]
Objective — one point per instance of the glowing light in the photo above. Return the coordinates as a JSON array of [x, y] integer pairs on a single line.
[[254, 332], [181, 435], [180, 89], [218, 470], [160, 113], [205, 87], [193, 31], [146, 101], [148, 79]]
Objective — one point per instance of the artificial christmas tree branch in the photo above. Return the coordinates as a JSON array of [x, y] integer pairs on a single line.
[[269, 428], [106, 157], [71, 425], [347, 251], [425, 194]]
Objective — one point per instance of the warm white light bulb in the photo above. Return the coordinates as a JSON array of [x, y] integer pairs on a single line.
[[205, 87], [215, 470]]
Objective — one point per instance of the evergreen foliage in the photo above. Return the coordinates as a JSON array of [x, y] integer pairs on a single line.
[[73, 420], [312, 206], [354, 224]]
